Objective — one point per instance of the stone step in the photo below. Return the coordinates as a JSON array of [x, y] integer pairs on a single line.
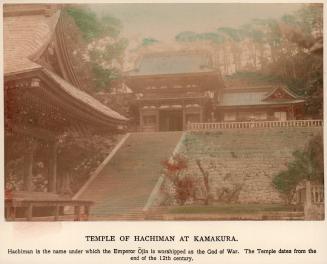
[[122, 188]]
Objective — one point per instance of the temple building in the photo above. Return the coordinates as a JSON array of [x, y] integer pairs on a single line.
[[43, 101], [260, 103], [174, 88], [177, 88]]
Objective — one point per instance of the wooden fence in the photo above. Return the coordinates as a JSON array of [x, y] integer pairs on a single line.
[[317, 194], [21, 206], [311, 196], [254, 124]]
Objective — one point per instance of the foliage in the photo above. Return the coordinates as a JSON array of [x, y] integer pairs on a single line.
[[314, 90], [189, 36], [79, 155], [14, 174], [184, 185], [232, 33], [16, 148], [111, 26], [212, 37], [252, 31], [184, 189], [174, 166], [205, 177], [307, 165], [105, 48], [87, 22], [104, 76], [254, 77], [186, 36], [93, 27], [278, 49], [149, 41], [310, 18]]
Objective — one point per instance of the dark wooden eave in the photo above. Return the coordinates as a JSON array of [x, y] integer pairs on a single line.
[[210, 79], [76, 104]]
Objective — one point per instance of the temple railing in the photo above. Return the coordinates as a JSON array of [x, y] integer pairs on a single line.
[[310, 193], [317, 194], [21, 206], [312, 197], [254, 124]]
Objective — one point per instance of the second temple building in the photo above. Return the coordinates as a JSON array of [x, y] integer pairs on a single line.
[[176, 88]]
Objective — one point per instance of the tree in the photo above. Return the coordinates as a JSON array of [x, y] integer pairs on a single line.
[[205, 176], [105, 48], [149, 42], [232, 37], [304, 29], [210, 40], [307, 165], [79, 155], [184, 185], [302, 70], [86, 21], [186, 36]]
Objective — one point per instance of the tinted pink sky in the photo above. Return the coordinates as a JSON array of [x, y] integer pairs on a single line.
[[164, 21]]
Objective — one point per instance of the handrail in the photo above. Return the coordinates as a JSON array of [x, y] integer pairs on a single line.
[[317, 194], [254, 124], [81, 208]]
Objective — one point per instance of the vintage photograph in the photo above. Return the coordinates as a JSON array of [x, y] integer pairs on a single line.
[[166, 111]]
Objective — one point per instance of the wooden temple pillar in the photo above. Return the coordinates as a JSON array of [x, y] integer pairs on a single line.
[[28, 165], [201, 113], [184, 116], [184, 119], [157, 119], [308, 199], [141, 120], [52, 178], [292, 113]]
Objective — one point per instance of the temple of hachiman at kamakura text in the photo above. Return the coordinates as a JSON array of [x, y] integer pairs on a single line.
[[177, 88]]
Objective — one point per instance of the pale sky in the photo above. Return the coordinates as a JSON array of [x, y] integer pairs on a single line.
[[164, 21]]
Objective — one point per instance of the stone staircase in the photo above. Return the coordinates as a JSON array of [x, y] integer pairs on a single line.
[[122, 188]]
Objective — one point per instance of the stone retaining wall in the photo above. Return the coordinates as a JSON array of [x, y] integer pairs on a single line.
[[242, 162]]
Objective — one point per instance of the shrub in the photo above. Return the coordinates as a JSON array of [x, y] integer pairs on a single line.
[[307, 165], [183, 185]]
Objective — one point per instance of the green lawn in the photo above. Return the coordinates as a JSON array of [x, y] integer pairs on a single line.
[[229, 209]]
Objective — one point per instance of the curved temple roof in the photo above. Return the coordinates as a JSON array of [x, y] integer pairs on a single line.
[[246, 97], [26, 35], [83, 97], [172, 63]]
